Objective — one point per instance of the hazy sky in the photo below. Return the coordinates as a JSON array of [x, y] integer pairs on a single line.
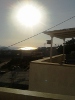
[[53, 12]]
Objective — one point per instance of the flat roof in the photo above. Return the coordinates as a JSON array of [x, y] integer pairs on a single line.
[[63, 33]]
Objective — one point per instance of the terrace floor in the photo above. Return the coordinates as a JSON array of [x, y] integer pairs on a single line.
[[15, 79]]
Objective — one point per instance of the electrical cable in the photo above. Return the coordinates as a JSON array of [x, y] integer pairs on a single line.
[[42, 31]]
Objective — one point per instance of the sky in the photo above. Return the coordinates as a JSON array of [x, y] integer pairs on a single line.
[[52, 11]]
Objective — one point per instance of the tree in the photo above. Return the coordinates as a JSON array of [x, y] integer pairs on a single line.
[[69, 46], [60, 49]]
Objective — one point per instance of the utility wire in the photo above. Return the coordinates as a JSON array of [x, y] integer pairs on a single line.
[[42, 31]]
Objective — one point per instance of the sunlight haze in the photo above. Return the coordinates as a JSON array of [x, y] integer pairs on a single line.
[[14, 27]]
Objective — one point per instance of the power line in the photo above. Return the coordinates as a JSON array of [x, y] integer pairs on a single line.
[[42, 31]]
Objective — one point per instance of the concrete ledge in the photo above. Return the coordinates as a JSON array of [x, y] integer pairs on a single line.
[[49, 63], [13, 94], [55, 59], [55, 62]]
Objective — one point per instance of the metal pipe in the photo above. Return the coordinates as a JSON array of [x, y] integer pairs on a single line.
[[63, 49], [51, 49]]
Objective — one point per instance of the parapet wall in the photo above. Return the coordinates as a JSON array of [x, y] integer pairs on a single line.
[[55, 59], [52, 78], [16, 94]]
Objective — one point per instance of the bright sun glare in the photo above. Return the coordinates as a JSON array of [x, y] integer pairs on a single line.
[[28, 15], [28, 48]]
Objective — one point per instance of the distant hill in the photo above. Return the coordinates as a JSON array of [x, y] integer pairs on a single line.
[[11, 48], [4, 48]]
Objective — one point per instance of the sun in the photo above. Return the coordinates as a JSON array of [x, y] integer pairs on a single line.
[[28, 15]]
